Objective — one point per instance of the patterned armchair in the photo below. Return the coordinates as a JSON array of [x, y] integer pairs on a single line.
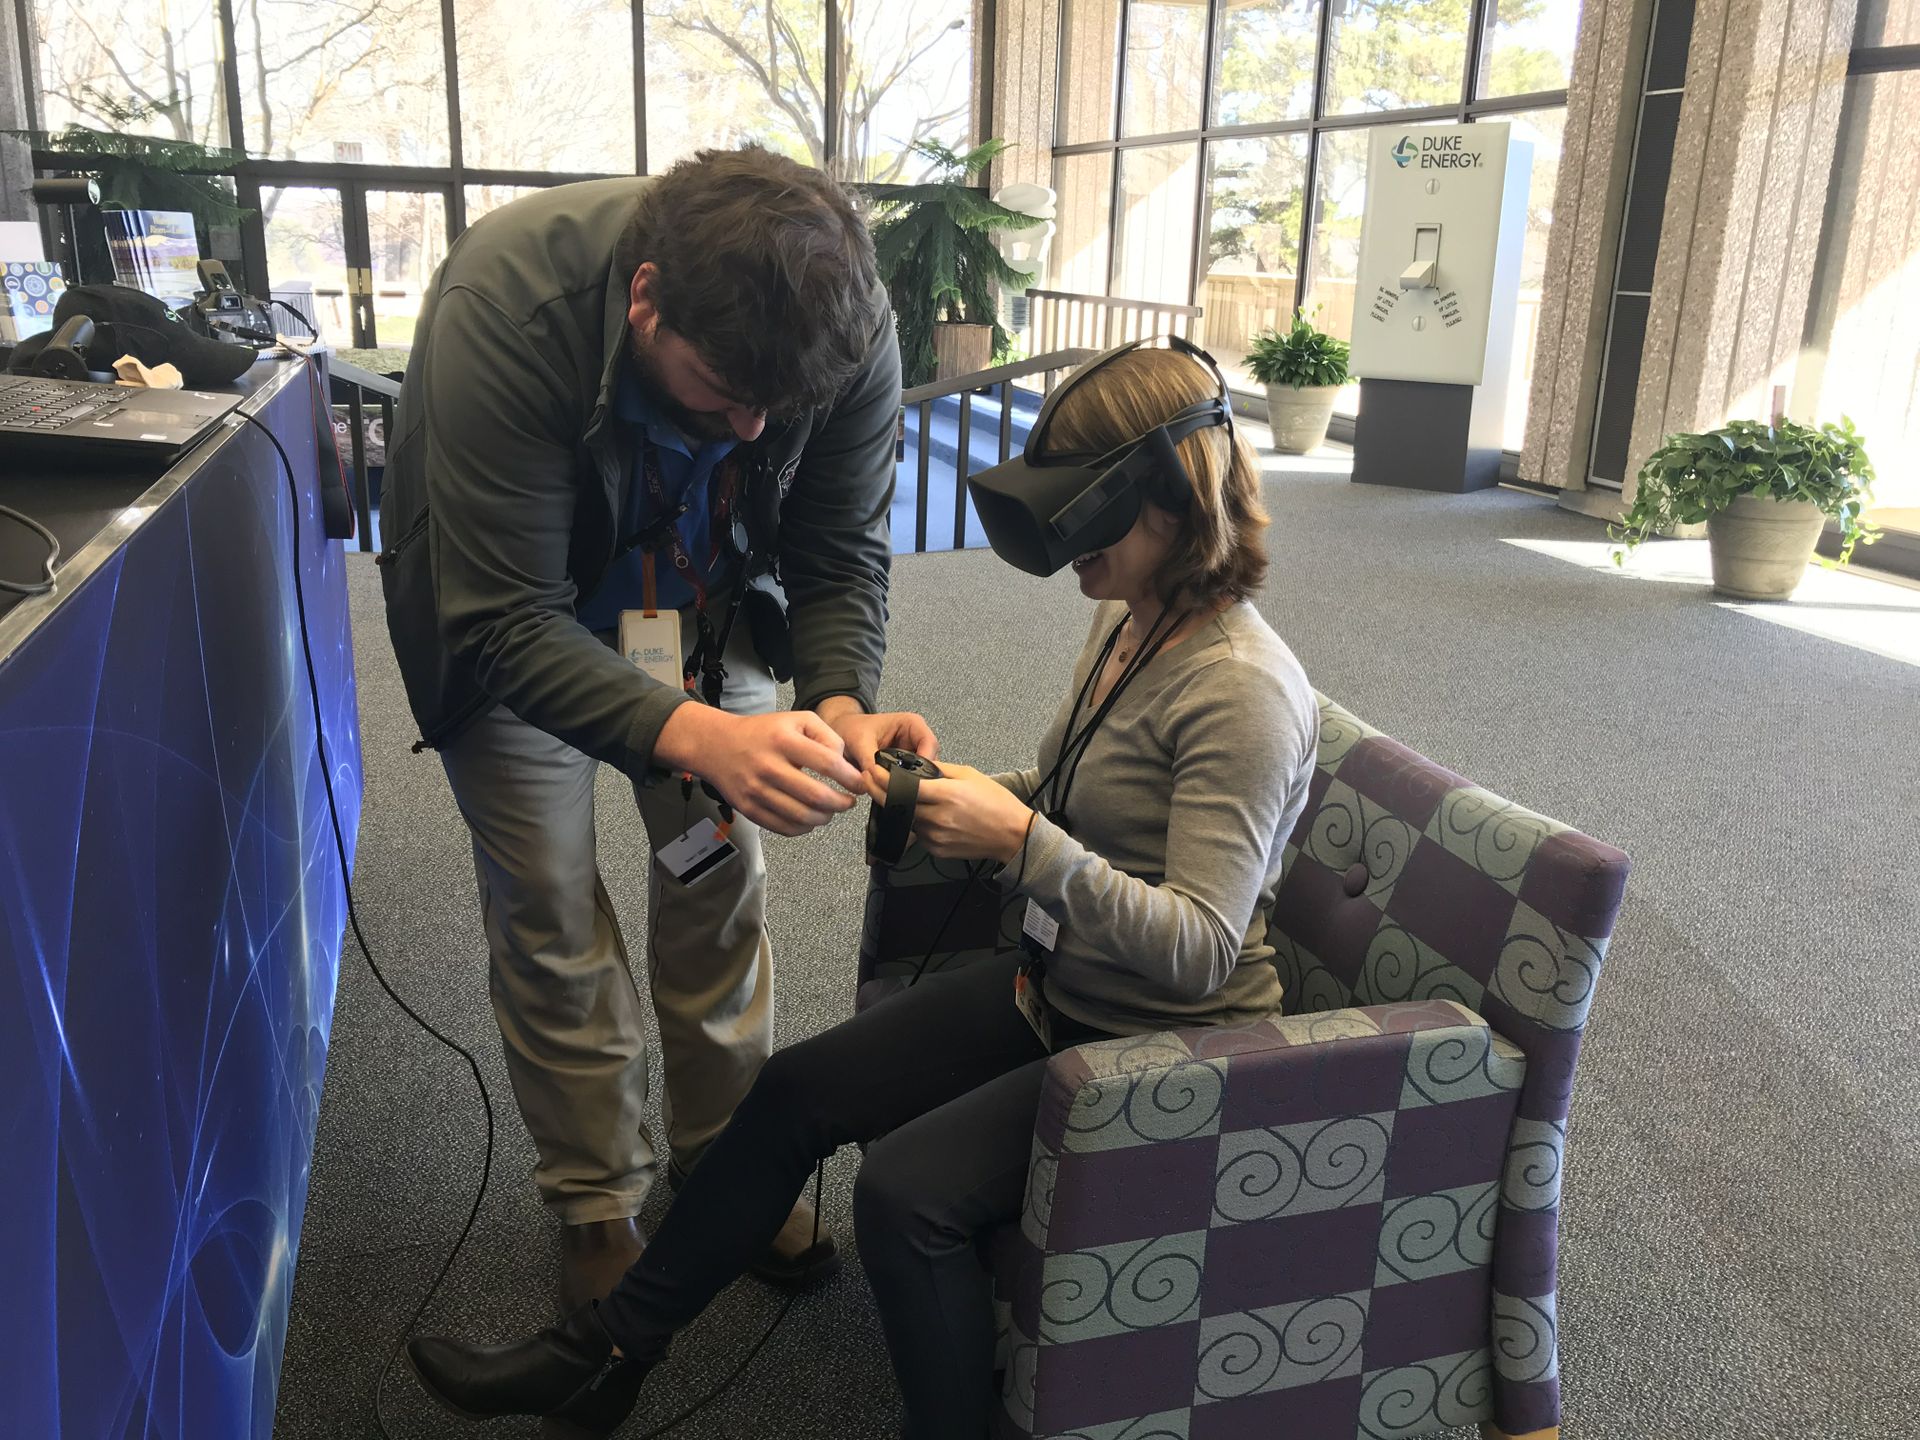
[[1338, 1223]]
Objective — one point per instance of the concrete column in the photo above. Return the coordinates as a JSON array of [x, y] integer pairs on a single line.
[[1602, 104], [16, 162], [1751, 167], [1026, 48]]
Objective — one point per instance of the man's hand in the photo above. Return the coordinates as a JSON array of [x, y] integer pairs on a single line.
[[760, 763], [863, 734], [966, 815]]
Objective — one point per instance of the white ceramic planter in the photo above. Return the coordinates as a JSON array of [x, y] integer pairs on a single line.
[[1761, 546], [1298, 416]]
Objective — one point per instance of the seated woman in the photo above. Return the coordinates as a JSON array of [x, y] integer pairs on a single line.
[[1152, 831]]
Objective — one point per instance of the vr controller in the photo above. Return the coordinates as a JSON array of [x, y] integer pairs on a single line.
[[890, 824]]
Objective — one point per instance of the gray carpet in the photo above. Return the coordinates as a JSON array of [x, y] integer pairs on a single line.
[[1743, 1195]]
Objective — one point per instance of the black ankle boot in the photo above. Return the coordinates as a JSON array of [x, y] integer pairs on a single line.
[[568, 1372]]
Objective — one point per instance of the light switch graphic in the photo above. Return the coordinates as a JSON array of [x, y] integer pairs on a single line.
[[1424, 272]]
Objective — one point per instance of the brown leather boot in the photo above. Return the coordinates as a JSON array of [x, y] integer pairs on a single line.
[[593, 1257], [796, 1260]]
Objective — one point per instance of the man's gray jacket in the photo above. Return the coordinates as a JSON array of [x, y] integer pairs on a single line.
[[509, 469]]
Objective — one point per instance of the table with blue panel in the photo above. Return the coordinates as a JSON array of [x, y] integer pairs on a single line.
[[171, 909]]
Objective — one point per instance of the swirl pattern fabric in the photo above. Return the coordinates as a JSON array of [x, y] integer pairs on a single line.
[[1279, 1228], [1341, 1221]]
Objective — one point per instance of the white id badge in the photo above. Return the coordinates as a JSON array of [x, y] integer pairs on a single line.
[[697, 854], [1040, 927], [652, 642]]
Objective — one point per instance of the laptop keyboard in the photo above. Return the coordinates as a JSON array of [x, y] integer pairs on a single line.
[[27, 403]]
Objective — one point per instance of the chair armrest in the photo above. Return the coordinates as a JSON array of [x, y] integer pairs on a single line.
[[1291, 1165]]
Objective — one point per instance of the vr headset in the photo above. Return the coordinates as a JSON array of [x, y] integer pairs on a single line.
[[1042, 510]]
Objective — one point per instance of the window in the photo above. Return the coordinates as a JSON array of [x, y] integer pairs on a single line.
[[406, 240], [131, 69], [723, 72], [1544, 130], [343, 81], [1334, 262], [1089, 70], [1276, 155], [911, 77], [556, 95], [1267, 54], [1863, 359], [1395, 55], [1529, 46], [307, 246], [1079, 258], [1165, 66], [1154, 235], [1256, 197]]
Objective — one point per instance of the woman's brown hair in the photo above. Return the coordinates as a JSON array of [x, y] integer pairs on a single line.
[[1219, 552]]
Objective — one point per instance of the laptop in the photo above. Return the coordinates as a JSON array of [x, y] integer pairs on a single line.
[[78, 421]]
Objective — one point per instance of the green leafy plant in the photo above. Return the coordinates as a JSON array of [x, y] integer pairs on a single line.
[[935, 244], [1693, 477], [144, 172], [1300, 356]]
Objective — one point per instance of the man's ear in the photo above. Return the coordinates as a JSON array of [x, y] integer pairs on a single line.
[[641, 314]]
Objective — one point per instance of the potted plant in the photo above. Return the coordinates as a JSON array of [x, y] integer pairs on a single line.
[[1764, 493], [1303, 370], [935, 245]]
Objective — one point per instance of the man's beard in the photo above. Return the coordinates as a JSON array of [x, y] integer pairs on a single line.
[[694, 424]]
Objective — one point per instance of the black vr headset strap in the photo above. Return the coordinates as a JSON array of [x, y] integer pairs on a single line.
[[893, 821]]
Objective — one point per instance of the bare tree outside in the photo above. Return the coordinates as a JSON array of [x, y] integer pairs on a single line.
[[729, 71]]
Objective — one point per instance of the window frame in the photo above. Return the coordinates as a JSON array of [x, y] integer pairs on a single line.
[[250, 173], [1471, 106]]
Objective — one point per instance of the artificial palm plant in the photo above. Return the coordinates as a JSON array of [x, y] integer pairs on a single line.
[[935, 244]]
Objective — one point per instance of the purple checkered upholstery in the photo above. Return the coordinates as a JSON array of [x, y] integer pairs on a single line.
[[1339, 1222]]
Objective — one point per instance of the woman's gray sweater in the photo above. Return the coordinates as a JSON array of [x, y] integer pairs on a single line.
[[1164, 877]]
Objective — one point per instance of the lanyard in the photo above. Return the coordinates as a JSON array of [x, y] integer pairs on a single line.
[[710, 645], [1074, 745], [682, 561]]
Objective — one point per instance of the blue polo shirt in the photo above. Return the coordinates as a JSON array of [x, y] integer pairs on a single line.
[[686, 476]]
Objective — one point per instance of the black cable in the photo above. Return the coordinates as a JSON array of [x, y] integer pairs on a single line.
[[353, 919], [33, 587], [312, 329]]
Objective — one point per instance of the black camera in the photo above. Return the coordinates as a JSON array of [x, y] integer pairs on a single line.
[[229, 314], [890, 824]]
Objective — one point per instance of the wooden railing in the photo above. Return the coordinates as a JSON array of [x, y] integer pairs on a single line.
[[1001, 378], [1057, 319]]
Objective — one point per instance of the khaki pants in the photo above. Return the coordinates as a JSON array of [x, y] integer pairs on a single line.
[[563, 994]]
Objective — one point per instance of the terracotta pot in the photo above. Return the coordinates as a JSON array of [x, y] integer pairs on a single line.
[[1761, 546], [1298, 415]]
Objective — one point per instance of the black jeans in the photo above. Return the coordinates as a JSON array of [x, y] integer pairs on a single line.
[[944, 1082]]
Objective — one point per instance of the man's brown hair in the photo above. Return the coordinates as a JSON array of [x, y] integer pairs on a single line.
[[766, 269]]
